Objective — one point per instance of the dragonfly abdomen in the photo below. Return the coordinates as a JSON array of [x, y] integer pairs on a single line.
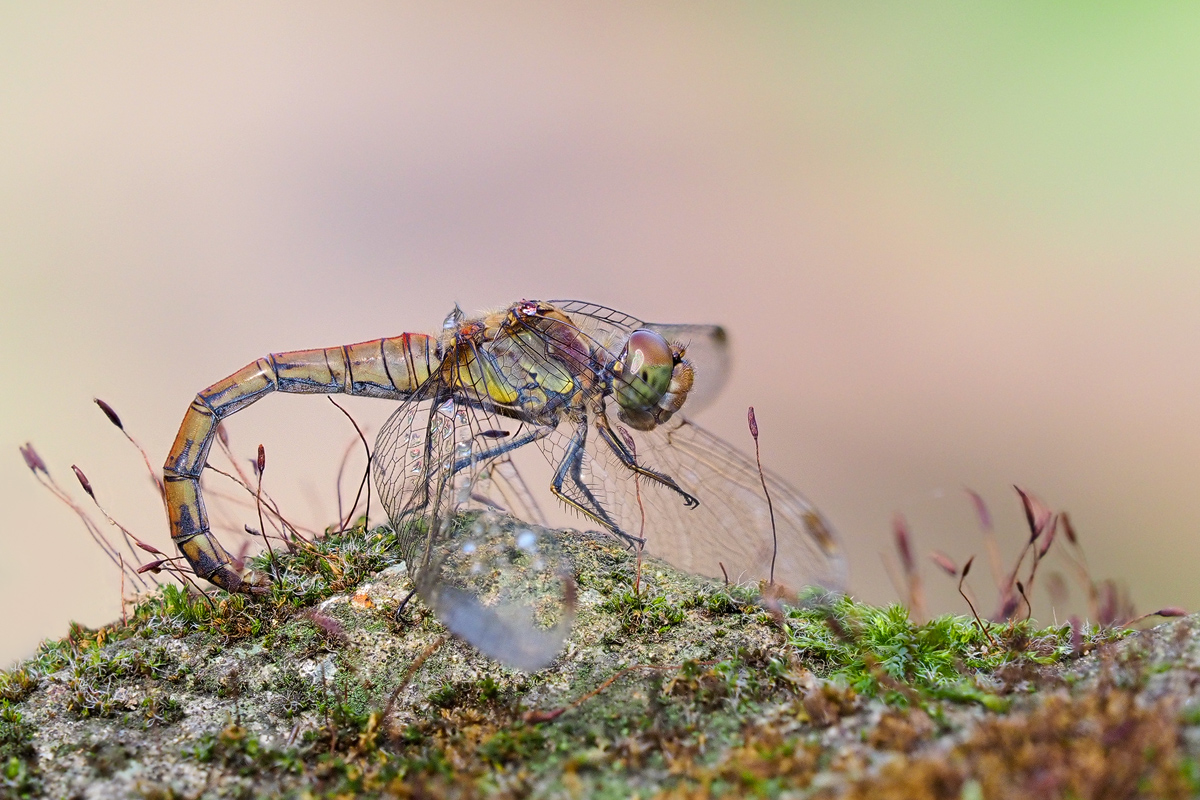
[[389, 368]]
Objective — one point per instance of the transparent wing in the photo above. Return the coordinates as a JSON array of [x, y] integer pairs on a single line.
[[707, 346], [731, 527], [501, 488], [410, 450], [495, 582], [505, 587]]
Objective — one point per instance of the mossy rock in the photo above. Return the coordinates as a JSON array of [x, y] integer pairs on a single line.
[[683, 688]]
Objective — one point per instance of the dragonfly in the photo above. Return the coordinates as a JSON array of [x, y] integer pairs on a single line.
[[599, 393]]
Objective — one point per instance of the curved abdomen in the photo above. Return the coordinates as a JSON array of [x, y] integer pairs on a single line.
[[387, 368]]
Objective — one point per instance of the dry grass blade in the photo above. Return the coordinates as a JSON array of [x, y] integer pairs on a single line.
[[130, 539], [944, 562], [914, 588], [284, 527], [995, 561], [1037, 516], [412, 670], [32, 459], [38, 467], [1168, 612], [261, 465]]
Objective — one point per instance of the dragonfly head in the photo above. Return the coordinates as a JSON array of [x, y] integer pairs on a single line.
[[653, 380]]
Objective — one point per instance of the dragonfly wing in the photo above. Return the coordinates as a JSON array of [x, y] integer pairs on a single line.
[[732, 525], [596, 318], [501, 488], [430, 462], [406, 447], [497, 583], [504, 586], [707, 346]]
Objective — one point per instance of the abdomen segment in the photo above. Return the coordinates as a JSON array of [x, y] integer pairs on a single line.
[[389, 368]]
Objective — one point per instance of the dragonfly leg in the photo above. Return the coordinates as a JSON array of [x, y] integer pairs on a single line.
[[418, 511], [540, 432], [627, 458], [572, 466], [404, 603]]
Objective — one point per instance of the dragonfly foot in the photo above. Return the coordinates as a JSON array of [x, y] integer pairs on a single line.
[[631, 542], [404, 604]]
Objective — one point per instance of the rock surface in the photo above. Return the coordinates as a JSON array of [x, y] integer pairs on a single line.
[[684, 689]]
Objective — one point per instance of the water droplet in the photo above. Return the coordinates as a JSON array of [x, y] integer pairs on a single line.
[[527, 540]]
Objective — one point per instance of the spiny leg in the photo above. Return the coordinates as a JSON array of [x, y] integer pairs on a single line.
[[572, 464], [427, 504], [540, 432], [404, 603], [627, 459]]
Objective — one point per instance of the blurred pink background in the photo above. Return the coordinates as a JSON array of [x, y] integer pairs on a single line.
[[954, 246]]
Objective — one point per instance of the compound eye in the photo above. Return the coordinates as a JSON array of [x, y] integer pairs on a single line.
[[647, 363]]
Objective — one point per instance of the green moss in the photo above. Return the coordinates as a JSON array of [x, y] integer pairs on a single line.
[[509, 746], [738, 682], [489, 689], [16, 735], [18, 684], [18, 779], [160, 708], [240, 751], [292, 695], [449, 696], [93, 671], [106, 757], [642, 613], [1190, 769], [725, 600], [305, 576], [18, 759], [696, 685], [877, 649]]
